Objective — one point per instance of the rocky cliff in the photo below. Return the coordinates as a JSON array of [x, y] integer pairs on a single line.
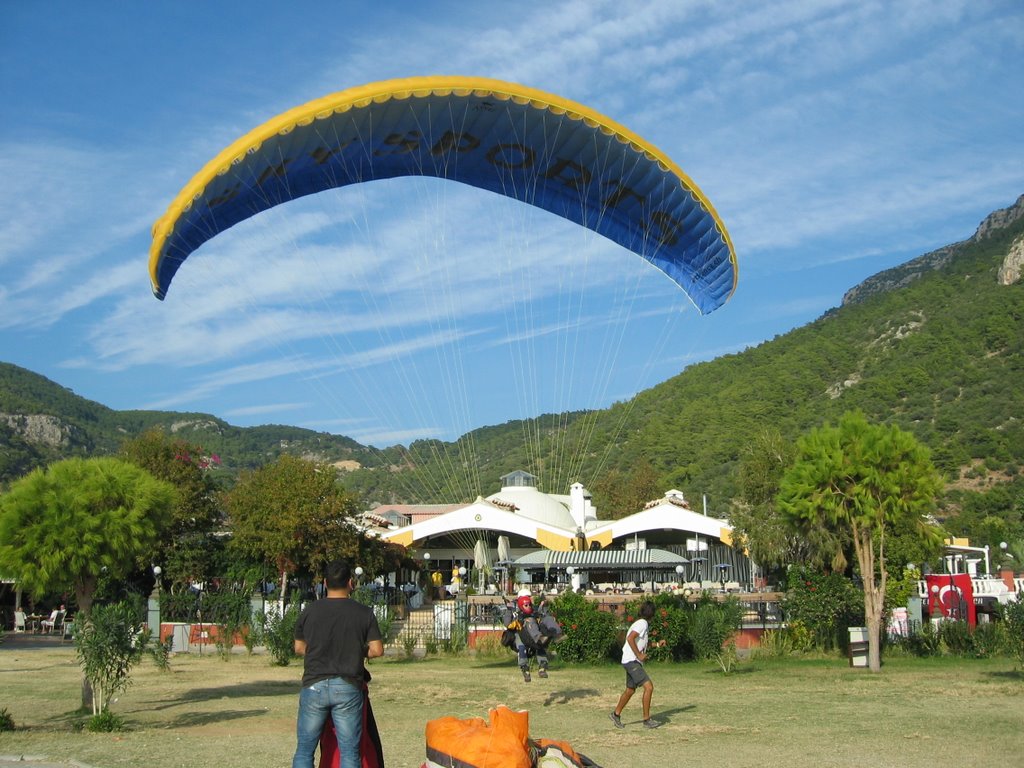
[[901, 276]]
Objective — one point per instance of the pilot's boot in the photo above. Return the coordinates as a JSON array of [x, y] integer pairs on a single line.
[[526, 673], [543, 671]]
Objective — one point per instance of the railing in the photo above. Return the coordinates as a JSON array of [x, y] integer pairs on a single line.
[[981, 586], [459, 621]]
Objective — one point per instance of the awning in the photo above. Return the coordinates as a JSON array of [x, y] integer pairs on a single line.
[[607, 559]]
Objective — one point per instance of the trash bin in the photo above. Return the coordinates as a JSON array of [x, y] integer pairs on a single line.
[[858, 646]]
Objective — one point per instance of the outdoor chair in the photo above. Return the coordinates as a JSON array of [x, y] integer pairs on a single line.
[[19, 621], [56, 620]]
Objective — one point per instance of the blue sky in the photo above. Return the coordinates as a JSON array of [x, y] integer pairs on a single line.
[[835, 140]]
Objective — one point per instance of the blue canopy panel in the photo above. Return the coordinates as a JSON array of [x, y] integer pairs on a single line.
[[510, 140]]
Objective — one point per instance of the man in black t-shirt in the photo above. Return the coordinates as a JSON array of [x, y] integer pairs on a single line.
[[334, 635]]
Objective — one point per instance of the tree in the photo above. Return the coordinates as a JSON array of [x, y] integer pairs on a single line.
[[187, 552], [620, 494], [859, 480], [61, 527], [293, 515]]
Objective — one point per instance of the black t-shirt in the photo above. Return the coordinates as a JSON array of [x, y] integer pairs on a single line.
[[336, 631]]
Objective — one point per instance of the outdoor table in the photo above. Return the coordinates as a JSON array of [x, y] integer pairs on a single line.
[[33, 622]]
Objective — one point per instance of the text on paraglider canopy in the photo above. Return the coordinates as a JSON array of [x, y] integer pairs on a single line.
[[661, 227]]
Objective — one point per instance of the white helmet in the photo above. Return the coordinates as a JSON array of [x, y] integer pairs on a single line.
[[524, 592]]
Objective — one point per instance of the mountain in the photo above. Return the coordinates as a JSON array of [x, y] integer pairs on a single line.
[[41, 421], [935, 346]]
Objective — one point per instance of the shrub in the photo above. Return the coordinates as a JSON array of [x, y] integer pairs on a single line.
[[455, 643], [727, 658], [409, 642], [488, 645], [923, 641], [800, 636], [775, 644], [279, 634], [956, 636], [988, 639], [826, 604], [161, 653], [108, 644], [6, 720], [225, 639], [712, 626], [667, 636], [590, 633], [104, 722], [1013, 634]]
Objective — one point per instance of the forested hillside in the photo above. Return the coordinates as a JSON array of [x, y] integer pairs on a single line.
[[41, 421], [935, 346]]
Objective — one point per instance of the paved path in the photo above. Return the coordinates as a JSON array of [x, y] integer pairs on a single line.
[[35, 761]]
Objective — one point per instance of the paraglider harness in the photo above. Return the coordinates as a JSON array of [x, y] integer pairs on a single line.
[[535, 630]]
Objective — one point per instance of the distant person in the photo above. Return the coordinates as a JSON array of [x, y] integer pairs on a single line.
[[55, 616], [333, 636], [530, 640], [634, 654]]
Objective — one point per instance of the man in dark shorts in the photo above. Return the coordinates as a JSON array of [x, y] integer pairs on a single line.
[[634, 654], [334, 635]]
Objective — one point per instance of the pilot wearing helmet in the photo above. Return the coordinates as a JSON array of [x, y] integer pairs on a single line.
[[530, 639]]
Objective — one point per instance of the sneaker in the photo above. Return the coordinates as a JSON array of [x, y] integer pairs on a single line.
[[652, 723], [526, 675], [543, 671], [616, 720]]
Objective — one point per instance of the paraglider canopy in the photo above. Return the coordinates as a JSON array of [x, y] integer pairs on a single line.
[[523, 143]]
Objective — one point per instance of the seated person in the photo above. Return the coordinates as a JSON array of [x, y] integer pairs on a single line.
[[55, 616]]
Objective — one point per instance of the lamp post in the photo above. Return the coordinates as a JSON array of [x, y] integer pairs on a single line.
[[698, 561], [153, 604], [723, 568]]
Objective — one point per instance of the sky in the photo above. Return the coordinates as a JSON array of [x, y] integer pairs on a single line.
[[835, 139]]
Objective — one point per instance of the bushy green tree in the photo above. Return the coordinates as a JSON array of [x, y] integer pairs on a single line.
[[187, 551], [619, 493], [293, 515], [858, 480], [61, 527]]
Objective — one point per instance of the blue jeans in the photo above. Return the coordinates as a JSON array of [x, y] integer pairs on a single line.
[[343, 702], [524, 654]]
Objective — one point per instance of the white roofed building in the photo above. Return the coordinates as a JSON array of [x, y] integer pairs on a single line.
[[509, 528]]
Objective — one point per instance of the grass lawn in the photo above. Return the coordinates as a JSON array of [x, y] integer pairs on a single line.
[[820, 712]]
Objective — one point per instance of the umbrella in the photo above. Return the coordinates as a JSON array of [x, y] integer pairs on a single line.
[[504, 555], [481, 559]]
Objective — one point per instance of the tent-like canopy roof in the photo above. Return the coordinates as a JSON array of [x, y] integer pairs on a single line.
[[606, 559]]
